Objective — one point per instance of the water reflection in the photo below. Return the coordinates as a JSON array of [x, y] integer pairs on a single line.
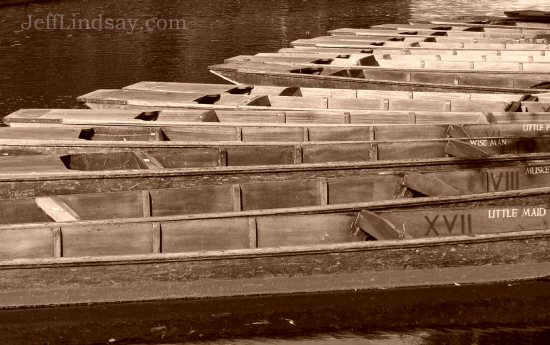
[[40, 68]]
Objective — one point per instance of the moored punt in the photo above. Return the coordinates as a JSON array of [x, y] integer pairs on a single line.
[[129, 122], [401, 62], [50, 158], [382, 79], [405, 30], [357, 56], [512, 28], [487, 22], [169, 96], [529, 15], [384, 49], [474, 239]]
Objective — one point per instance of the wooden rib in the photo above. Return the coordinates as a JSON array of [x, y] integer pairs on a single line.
[[253, 232], [149, 161], [237, 197], [146, 203], [298, 155], [156, 231], [57, 209], [222, 158], [57, 243], [323, 192]]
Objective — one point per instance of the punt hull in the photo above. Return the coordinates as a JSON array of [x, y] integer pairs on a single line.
[[448, 283], [238, 76]]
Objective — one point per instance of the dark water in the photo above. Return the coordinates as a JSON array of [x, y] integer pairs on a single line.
[[50, 67]]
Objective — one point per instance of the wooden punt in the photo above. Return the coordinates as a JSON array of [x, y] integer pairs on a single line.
[[238, 119], [451, 28], [396, 30], [529, 15], [400, 62], [473, 239], [428, 43], [173, 96], [487, 22], [355, 56], [384, 49], [381, 79], [373, 185]]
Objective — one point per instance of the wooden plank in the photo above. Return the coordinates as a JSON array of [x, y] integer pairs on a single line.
[[253, 232], [107, 239], [462, 149], [148, 160], [429, 185], [58, 210], [290, 230], [156, 235], [237, 197], [378, 227], [269, 195], [205, 234], [323, 192], [205, 199], [146, 203], [57, 242], [40, 163], [26, 243], [105, 205]]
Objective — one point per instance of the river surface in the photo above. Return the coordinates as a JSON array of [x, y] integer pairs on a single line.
[[49, 66]]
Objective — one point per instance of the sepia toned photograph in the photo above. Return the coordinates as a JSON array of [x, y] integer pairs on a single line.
[[284, 172]]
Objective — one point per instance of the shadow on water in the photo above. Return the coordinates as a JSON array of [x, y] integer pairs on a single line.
[[456, 314]]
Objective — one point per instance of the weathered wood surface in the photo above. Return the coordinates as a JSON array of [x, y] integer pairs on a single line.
[[503, 173], [470, 215], [383, 100], [488, 22], [84, 125], [107, 124], [354, 57], [467, 258], [226, 197], [384, 49], [402, 62], [356, 78], [512, 27], [407, 30], [384, 143]]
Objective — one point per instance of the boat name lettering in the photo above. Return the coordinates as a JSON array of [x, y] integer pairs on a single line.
[[502, 213], [490, 142], [538, 170], [536, 127]]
